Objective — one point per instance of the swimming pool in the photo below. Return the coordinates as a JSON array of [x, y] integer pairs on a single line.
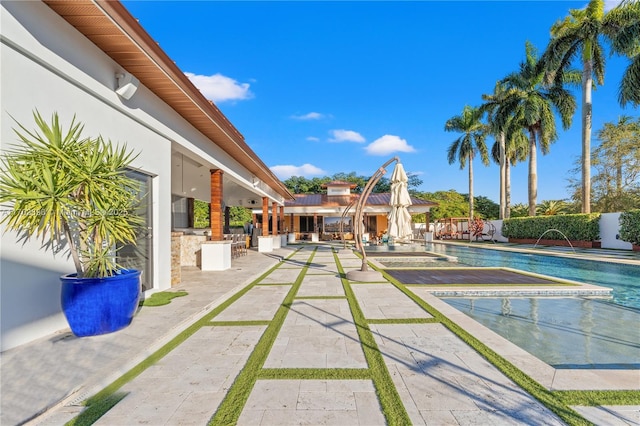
[[623, 279], [564, 332]]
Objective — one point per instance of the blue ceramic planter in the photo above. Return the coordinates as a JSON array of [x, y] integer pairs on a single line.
[[96, 306]]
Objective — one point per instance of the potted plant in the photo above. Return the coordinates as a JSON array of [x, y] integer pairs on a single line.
[[74, 194]]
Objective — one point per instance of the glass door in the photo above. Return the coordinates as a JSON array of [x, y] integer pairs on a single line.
[[140, 255]]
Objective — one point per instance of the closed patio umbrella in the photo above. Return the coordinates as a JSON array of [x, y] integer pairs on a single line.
[[399, 217]]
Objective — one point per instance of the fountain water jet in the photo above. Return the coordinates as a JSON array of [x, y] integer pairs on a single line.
[[560, 232]]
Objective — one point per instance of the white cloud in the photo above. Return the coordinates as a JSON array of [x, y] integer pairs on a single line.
[[342, 135], [286, 171], [388, 144], [220, 88], [309, 116], [312, 139]]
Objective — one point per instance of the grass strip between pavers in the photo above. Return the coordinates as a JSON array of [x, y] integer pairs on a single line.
[[320, 297], [268, 284], [546, 397], [599, 397], [103, 401], [233, 403], [403, 321], [390, 401], [315, 374], [238, 323], [93, 412]]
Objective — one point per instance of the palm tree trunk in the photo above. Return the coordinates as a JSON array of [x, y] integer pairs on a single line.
[[470, 193], [507, 188], [502, 175], [533, 173], [470, 187], [587, 81]]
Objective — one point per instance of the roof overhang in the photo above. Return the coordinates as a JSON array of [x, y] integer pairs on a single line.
[[110, 26]]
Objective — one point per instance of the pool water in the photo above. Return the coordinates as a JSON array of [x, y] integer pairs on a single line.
[[563, 332], [623, 279]]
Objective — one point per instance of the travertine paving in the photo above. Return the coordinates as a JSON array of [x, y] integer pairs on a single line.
[[187, 385], [443, 381], [313, 402], [384, 301], [299, 324], [317, 334]]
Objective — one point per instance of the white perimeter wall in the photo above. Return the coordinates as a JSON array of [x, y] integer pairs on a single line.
[[46, 64], [609, 232]]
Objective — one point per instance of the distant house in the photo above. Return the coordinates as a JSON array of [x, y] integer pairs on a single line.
[[92, 59], [321, 214]]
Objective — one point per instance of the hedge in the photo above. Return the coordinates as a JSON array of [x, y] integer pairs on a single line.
[[576, 227], [630, 226]]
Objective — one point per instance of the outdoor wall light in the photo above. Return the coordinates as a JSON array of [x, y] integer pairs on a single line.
[[127, 85]]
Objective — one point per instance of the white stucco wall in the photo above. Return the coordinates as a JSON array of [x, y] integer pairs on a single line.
[[48, 65], [610, 230]]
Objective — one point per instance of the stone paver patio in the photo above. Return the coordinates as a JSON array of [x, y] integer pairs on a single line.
[[300, 324]]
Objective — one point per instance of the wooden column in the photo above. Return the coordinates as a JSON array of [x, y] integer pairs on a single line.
[[292, 229], [315, 222], [274, 218], [265, 216], [216, 205], [282, 219]]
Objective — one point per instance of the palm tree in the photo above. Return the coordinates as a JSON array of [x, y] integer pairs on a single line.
[[532, 104], [581, 33], [511, 144], [622, 26], [495, 127], [516, 149], [466, 146], [552, 207]]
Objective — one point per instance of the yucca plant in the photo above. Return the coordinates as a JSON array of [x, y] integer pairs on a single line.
[[72, 192]]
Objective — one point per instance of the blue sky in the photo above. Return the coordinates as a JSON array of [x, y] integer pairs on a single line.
[[318, 88]]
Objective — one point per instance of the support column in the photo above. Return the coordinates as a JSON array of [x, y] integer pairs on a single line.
[[274, 218], [216, 205], [292, 228], [282, 219], [265, 216]]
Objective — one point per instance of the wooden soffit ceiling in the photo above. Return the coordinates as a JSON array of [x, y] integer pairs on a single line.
[[110, 26]]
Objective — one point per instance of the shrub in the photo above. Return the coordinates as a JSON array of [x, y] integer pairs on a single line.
[[576, 227], [630, 226]]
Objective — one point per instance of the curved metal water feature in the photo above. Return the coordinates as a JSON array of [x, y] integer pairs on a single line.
[[364, 274], [558, 231]]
